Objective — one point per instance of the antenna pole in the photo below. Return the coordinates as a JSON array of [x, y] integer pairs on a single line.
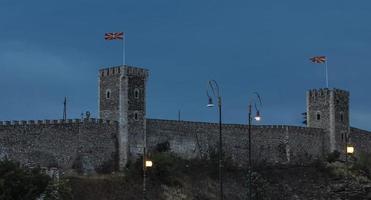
[[65, 109]]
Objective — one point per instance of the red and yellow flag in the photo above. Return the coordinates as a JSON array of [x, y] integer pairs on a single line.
[[114, 36], [318, 59]]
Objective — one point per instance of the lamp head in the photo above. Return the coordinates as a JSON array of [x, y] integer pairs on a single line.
[[210, 104], [149, 163], [257, 116], [350, 149]]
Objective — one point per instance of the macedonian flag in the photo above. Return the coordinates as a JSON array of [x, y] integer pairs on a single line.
[[318, 59], [114, 36]]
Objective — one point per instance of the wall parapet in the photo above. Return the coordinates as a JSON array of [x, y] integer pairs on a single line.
[[56, 121], [360, 130], [359, 133], [326, 91], [230, 126]]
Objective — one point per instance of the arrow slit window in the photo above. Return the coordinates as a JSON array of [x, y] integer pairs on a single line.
[[108, 94]]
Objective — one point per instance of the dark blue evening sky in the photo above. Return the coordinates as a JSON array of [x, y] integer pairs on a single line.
[[51, 49]]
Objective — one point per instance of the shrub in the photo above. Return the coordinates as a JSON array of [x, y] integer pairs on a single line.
[[21, 183], [363, 163], [58, 190], [334, 156], [166, 166]]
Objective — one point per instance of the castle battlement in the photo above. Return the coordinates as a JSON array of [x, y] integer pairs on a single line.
[[59, 121], [326, 91], [125, 70], [122, 98]]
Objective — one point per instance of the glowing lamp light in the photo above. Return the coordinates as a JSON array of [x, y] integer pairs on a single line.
[[149, 163], [350, 149], [257, 117], [210, 104]]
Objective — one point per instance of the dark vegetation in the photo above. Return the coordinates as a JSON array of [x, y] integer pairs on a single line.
[[173, 178], [17, 183]]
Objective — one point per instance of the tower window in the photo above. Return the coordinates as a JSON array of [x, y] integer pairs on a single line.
[[136, 93], [341, 117], [136, 118], [318, 116], [108, 94]]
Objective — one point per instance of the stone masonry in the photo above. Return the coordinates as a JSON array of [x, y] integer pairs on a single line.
[[62, 144], [123, 131]]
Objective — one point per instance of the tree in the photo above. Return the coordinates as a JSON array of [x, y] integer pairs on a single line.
[[17, 183]]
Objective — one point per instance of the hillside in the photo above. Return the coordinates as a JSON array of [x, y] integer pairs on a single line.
[[174, 179]]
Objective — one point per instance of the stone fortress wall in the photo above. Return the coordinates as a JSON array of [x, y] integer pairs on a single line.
[[58, 143], [270, 143], [55, 143], [123, 131], [361, 140]]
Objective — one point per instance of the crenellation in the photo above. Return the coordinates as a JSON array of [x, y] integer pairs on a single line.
[[135, 71], [109, 71], [125, 70], [56, 121]]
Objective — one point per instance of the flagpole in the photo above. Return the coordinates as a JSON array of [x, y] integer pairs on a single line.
[[123, 50], [326, 73]]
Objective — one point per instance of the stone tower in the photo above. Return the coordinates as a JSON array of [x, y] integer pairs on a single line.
[[122, 92], [329, 109]]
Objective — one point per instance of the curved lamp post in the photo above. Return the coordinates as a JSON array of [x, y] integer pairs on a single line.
[[214, 87], [257, 104]]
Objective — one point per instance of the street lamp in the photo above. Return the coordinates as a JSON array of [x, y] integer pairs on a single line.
[[257, 118], [214, 87], [146, 164], [348, 152]]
